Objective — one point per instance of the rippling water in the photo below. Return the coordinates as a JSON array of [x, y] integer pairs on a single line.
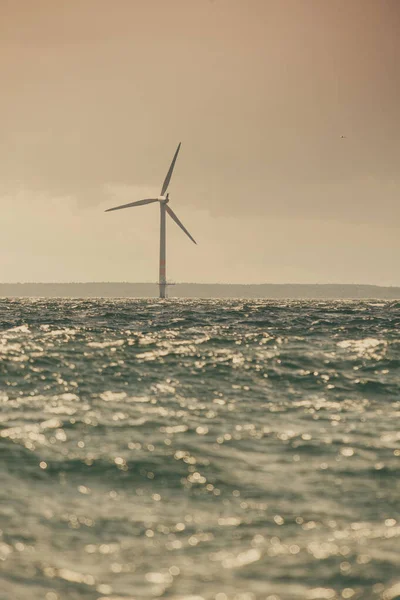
[[222, 450]]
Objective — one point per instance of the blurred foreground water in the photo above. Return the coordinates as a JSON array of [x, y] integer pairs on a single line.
[[224, 450]]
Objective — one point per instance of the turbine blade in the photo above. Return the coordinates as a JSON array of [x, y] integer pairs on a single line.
[[138, 203], [168, 177], [177, 221]]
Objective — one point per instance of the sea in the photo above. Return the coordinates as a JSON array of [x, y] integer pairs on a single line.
[[199, 449]]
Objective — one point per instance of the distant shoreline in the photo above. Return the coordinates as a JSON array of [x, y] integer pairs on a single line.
[[200, 290]]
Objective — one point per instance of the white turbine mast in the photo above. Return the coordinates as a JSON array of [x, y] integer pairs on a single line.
[[163, 199]]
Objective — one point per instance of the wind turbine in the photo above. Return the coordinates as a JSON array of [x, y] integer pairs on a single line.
[[163, 199]]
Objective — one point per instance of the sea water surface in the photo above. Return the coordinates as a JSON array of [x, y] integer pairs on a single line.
[[199, 450]]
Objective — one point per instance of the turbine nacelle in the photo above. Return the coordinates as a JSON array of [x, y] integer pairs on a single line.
[[163, 199]]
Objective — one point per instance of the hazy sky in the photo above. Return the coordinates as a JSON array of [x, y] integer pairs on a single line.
[[96, 94]]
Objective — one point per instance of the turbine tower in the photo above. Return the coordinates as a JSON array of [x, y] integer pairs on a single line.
[[163, 199]]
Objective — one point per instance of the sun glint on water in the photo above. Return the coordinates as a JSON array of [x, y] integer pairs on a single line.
[[224, 450]]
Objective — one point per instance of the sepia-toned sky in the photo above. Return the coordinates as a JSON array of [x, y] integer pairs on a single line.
[[96, 94]]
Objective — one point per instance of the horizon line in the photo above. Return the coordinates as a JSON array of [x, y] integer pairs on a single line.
[[172, 284]]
